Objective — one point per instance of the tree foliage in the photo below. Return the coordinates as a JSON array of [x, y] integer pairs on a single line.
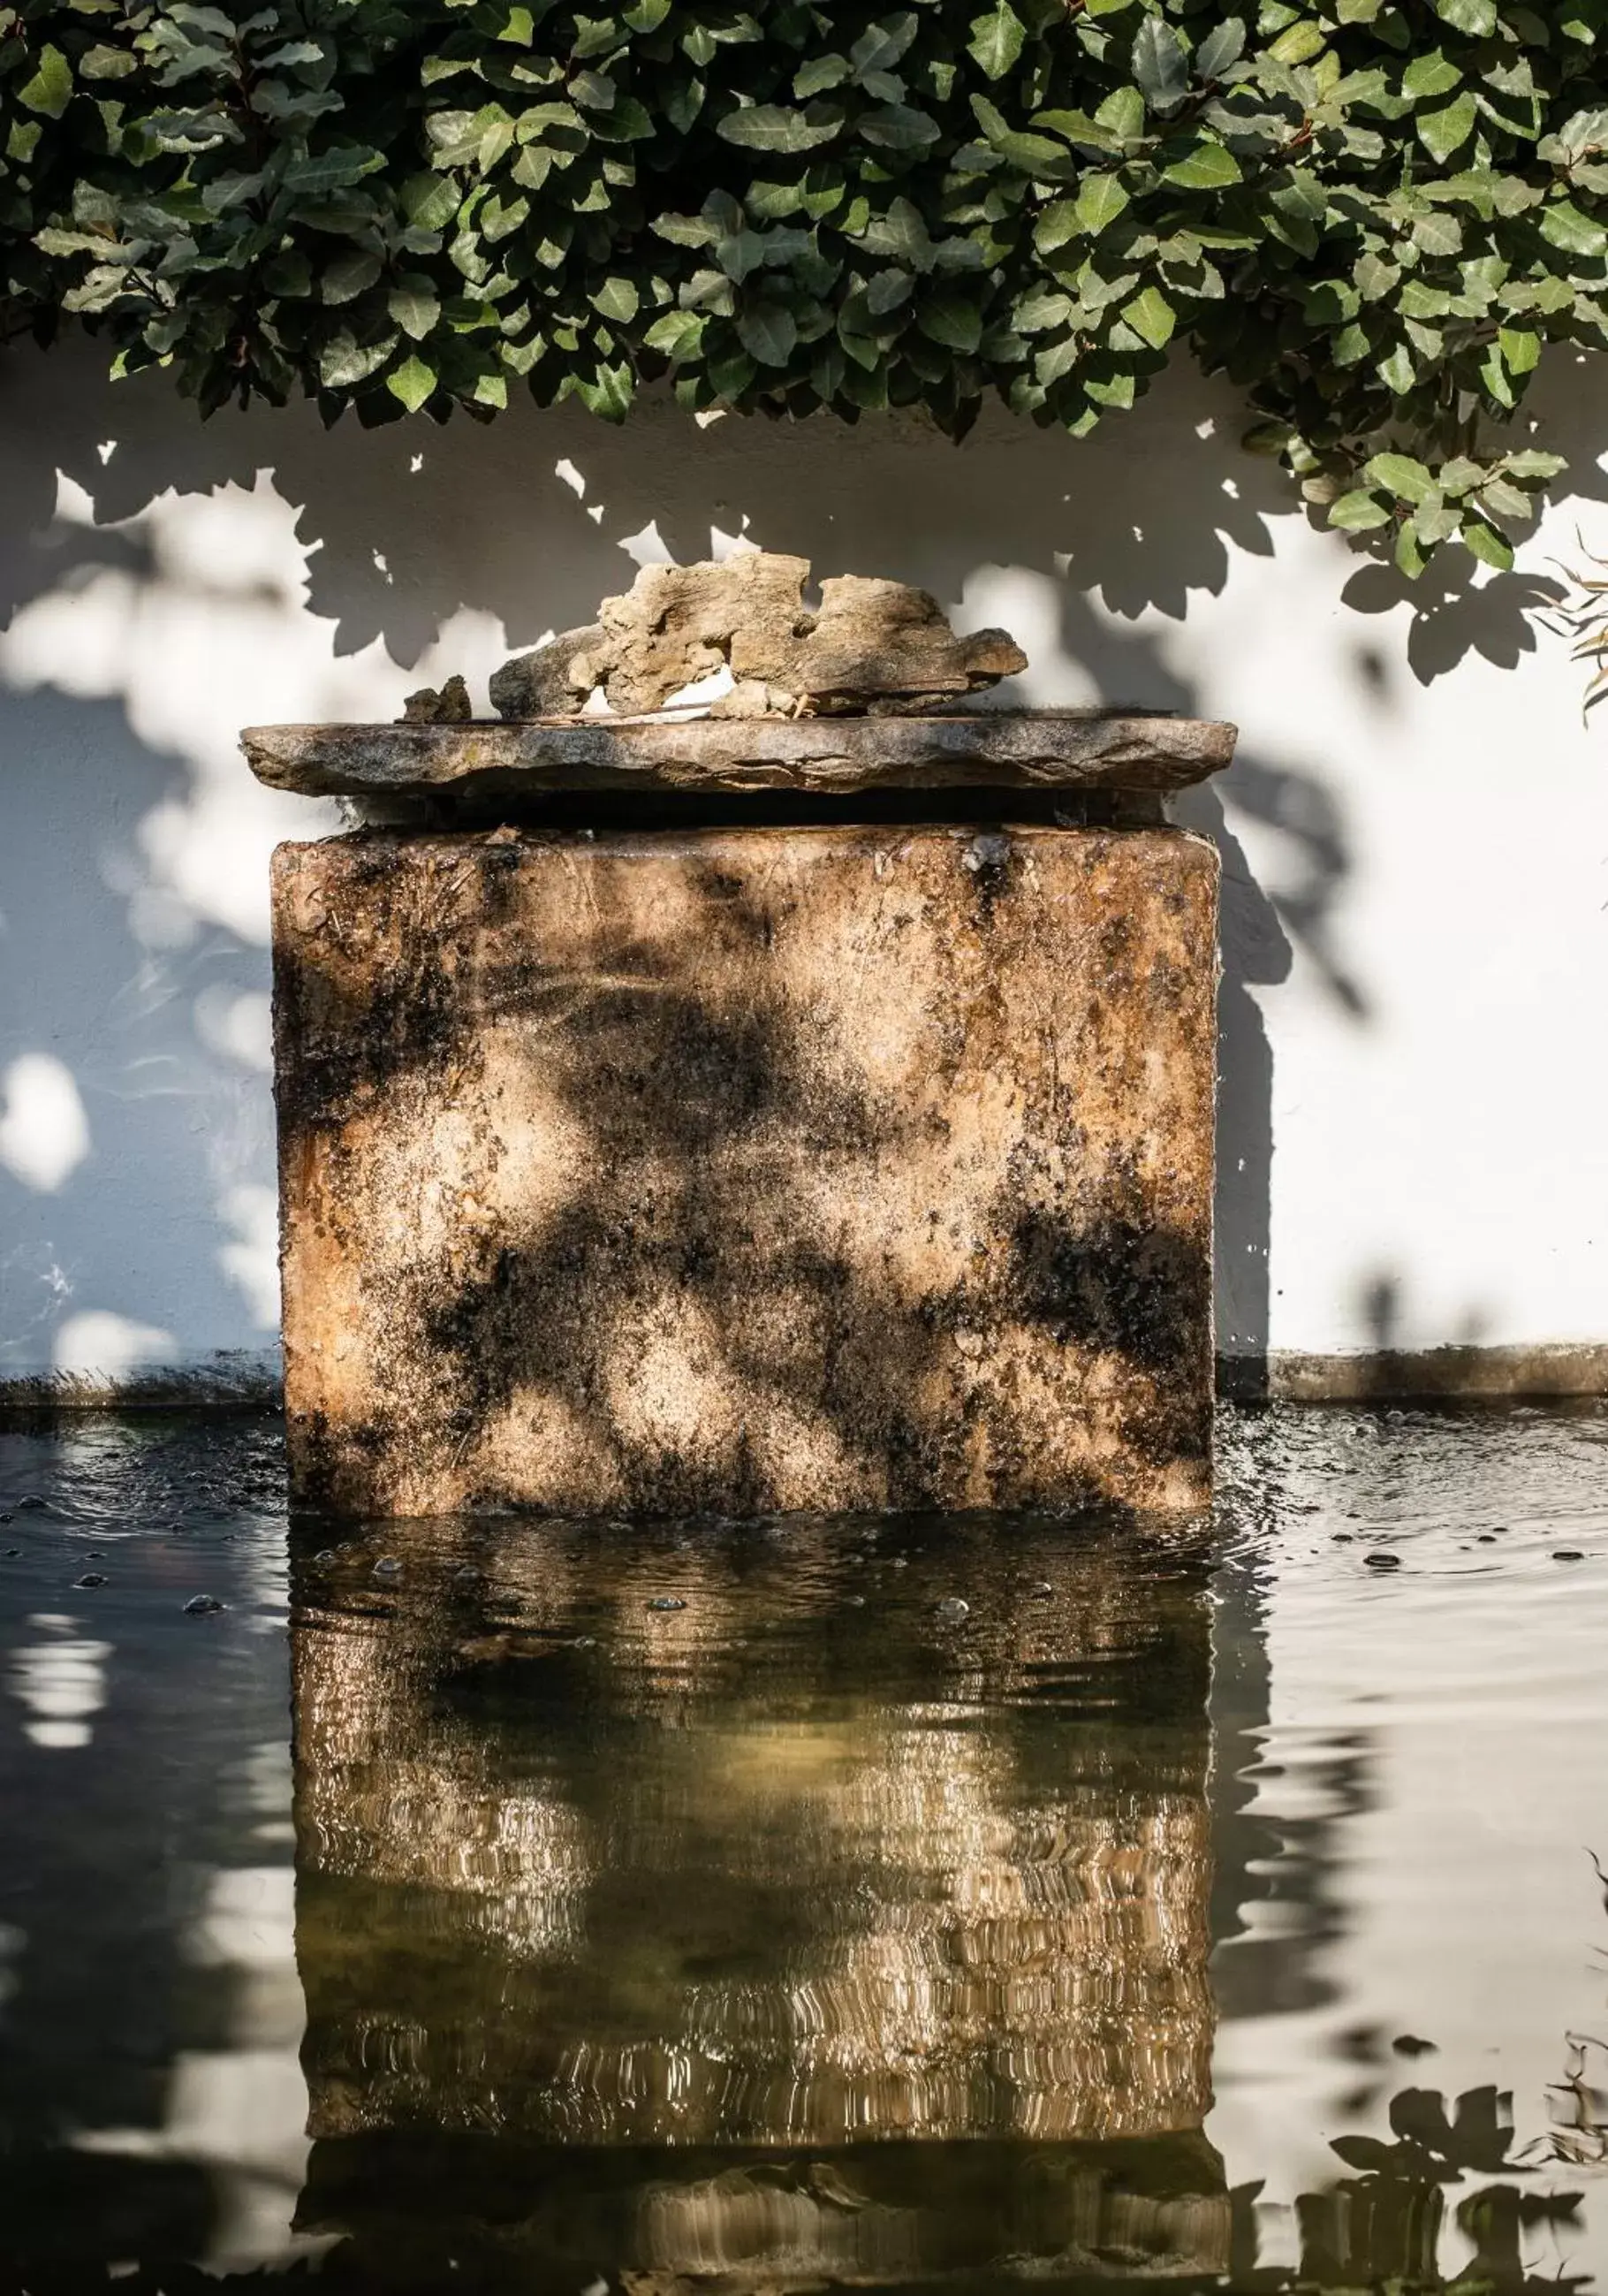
[[1374, 215]]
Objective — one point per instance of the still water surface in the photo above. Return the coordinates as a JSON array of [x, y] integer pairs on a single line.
[[939, 1903]]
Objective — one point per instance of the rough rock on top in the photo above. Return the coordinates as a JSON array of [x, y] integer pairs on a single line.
[[537, 685], [449, 707], [873, 645]]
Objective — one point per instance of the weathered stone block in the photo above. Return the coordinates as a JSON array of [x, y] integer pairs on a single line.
[[748, 1169]]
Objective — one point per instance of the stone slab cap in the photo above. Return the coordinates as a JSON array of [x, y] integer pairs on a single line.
[[833, 755], [872, 643]]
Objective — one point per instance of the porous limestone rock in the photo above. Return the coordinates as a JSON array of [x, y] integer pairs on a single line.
[[677, 625], [751, 698], [874, 645], [537, 685], [878, 646], [449, 707]]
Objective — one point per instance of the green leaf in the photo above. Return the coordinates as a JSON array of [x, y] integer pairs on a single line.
[[49, 90], [1041, 309], [769, 332], [820, 74], [1402, 476], [348, 276], [731, 371], [1484, 541], [1436, 519], [416, 308], [1502, 499], [1123, 113], [317, 173], [1460, 476], [1429, 75], [1151, 316], [1438, 234], [344, 362], [1358, 512], [1268, 438], [951, 319], [1409, 555], [1520, 349], [1478, 17], [771, 127], [898, 128], [1160, 64], [1208, 168], [997, 38], [428, 201], [606, 392], [1299, 45], [1442, 131], [678, 333], [412, 382], [1101, 200], [617, 299], [1223, 46], [1076, 127], [1563, 226], [1397, 371], [1533, 466]]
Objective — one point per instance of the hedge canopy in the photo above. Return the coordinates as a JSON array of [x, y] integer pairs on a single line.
[[1374, 215]]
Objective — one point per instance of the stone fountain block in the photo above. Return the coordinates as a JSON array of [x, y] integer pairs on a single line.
[[746, 1168]]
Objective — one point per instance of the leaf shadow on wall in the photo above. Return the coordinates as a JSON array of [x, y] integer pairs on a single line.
[[499, 534], [97, 970]]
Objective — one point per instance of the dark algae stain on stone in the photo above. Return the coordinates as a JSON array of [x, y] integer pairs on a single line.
[[1115, 1286]]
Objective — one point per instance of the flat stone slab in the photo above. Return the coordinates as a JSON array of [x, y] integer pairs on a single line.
[[843, 755], [742, 1170]]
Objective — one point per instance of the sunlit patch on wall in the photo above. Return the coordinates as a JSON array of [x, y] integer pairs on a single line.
[[44, 1130], [103, 1347]]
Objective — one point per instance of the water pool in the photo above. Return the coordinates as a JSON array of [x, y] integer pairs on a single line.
[[953, 1903]]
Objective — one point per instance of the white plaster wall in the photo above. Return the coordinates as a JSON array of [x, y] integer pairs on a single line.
[[1414, 1149]]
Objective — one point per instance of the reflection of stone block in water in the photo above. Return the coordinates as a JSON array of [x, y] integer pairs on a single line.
[[716, 1914], [748, 1169]]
